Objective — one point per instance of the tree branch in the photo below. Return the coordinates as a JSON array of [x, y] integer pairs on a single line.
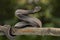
[[38, 31], [34, 31]]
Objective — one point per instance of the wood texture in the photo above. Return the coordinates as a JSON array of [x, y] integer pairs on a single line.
[[34, 31]]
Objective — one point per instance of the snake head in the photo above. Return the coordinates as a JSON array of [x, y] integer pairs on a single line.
[[37, 8]]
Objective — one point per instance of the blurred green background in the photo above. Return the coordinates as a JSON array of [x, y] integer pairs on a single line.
[[49, 15]]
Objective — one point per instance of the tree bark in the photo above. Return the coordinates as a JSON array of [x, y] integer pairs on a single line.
[[33, 31]]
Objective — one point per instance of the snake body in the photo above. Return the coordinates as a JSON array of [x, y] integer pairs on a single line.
[[26, 19]]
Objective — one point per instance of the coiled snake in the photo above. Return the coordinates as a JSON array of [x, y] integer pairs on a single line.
[[26, 19]]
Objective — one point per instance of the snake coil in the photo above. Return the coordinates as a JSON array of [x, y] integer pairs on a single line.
[[27, 20]]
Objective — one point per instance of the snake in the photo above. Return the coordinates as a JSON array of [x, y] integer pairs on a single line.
[[26, 20]]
